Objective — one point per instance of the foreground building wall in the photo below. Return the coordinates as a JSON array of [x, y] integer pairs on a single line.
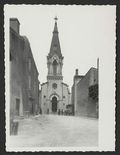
[[24, 84], [85, 94], [85, 104]]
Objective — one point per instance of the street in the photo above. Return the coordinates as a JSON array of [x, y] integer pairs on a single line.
[[56, 131]]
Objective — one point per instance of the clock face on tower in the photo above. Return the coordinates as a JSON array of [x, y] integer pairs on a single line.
[[54, 85]]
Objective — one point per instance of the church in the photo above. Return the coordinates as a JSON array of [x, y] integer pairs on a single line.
[[55, 95]]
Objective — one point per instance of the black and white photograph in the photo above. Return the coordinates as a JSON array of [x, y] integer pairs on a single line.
[[60, 77]]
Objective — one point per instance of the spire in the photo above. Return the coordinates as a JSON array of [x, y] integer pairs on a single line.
[[55, 44], [55, 27]]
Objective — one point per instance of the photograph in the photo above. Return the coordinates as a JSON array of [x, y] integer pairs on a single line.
[[60, 77]]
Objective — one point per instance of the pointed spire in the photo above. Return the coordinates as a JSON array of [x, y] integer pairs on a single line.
[[55, 44], [55, 27]]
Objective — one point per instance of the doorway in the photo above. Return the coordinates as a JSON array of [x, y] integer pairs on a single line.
[[17, 107], [54, 104]]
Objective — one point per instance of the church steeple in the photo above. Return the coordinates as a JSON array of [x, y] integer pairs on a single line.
[[55, 44], [54, 93], [55, 58]]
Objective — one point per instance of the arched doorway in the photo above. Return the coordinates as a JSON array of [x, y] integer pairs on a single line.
[[54, 104]]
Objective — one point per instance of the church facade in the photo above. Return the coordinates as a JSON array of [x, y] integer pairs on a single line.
[[55, 95]]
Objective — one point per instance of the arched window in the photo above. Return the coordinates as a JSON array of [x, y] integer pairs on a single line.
[[54, 67]]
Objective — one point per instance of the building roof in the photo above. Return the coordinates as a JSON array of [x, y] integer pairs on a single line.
[[65, 84], [55, 44], [79, 76], [15, 19], [91, 69], [44, 83]]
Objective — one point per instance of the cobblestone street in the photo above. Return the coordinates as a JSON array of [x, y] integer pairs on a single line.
[[54, 131]]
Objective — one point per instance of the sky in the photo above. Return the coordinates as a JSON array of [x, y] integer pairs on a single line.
[[85, 33]]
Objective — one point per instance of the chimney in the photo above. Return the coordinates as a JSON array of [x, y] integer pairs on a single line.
[[14, 24], [76, 72]]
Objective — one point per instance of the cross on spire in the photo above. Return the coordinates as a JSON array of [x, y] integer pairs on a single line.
[[56, 19]]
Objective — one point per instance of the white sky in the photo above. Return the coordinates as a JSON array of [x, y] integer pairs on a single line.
[[85, 33]]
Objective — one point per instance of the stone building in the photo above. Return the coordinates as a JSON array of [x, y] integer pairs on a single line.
[[55, 93], [40, 110], [85, 93], [24, 83]]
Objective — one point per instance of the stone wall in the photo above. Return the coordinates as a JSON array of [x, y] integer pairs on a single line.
[[86, 106], [20, 93]]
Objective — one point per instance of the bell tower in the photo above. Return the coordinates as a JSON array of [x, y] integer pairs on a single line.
[[54, 93], [55, 58]]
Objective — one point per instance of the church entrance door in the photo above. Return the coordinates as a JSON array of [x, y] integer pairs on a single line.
[[54, 104]]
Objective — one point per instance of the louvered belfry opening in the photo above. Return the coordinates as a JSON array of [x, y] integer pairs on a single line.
[[55, 67]]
